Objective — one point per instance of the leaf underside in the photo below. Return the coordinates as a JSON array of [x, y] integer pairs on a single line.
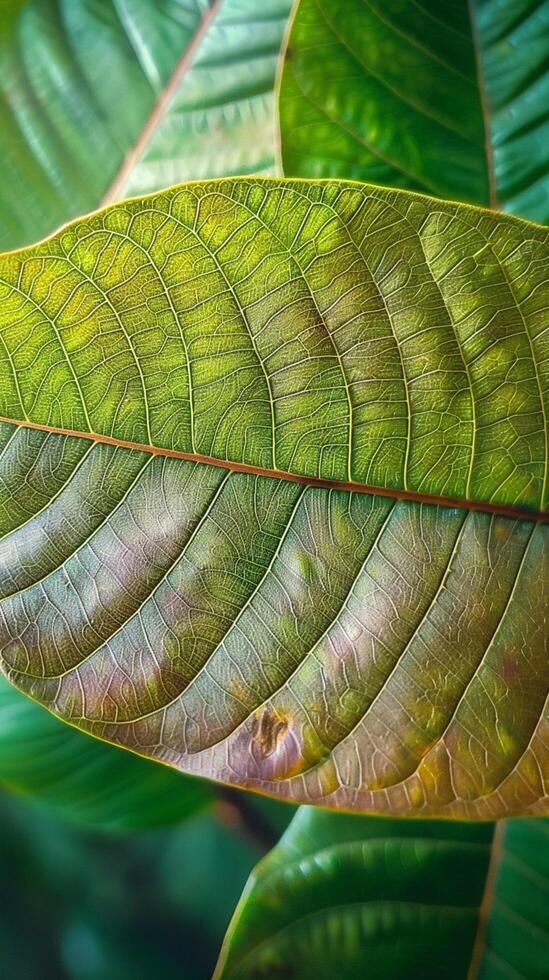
[[325, 645]]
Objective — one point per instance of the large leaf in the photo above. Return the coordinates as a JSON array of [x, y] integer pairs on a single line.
[[449, 98], [352, 896], [284, 524], [84, 780], [102, 99]]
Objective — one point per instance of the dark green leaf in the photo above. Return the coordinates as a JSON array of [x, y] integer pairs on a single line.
[[513, 940], [352, 897], [448, 98]]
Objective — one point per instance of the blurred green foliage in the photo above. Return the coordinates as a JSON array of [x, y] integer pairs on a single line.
[[78, 904]]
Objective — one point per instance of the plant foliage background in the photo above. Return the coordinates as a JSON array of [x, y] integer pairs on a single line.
[[123, 868]]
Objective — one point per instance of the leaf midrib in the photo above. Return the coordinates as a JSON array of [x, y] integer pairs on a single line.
[[489, 507], [485, 108]]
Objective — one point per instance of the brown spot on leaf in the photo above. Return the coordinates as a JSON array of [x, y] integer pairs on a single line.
[[268, 727]]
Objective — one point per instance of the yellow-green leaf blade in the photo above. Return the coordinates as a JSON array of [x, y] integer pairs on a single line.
[[362, 335], [365, 625]]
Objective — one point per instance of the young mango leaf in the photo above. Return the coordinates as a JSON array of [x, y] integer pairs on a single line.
[[86, 781], [274, 488], [126, 96], [351, 896], [451, 99]]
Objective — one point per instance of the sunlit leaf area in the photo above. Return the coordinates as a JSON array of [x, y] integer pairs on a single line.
[[274, 489]]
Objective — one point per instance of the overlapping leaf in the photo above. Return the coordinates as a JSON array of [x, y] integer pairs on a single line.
[[448, 98], [352, 896], [169, 586], [99, 100], [513, 938]]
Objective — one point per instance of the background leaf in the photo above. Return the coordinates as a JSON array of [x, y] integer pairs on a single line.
[[125, 96], [221, 120], [358, 896], [514, 940], [84, 780], [450, 99], [296, 649], [131, 907]]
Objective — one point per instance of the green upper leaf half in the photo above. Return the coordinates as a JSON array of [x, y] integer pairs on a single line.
[[273, 490], [98, 100], [446, 98], [352, 896]]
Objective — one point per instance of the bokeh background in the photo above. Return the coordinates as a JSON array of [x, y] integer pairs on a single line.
[[113, 866]]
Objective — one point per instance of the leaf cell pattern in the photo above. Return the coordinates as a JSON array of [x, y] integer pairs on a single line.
[[324, 329], [322, 643]]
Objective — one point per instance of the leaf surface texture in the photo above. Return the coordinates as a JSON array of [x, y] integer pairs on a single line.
[[299, 542]]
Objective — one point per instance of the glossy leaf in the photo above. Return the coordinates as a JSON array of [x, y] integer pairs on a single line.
[[451, 99], [217, 571], [84, 780], [514, 938], [221, 119], [98, 100], [351, 896]]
